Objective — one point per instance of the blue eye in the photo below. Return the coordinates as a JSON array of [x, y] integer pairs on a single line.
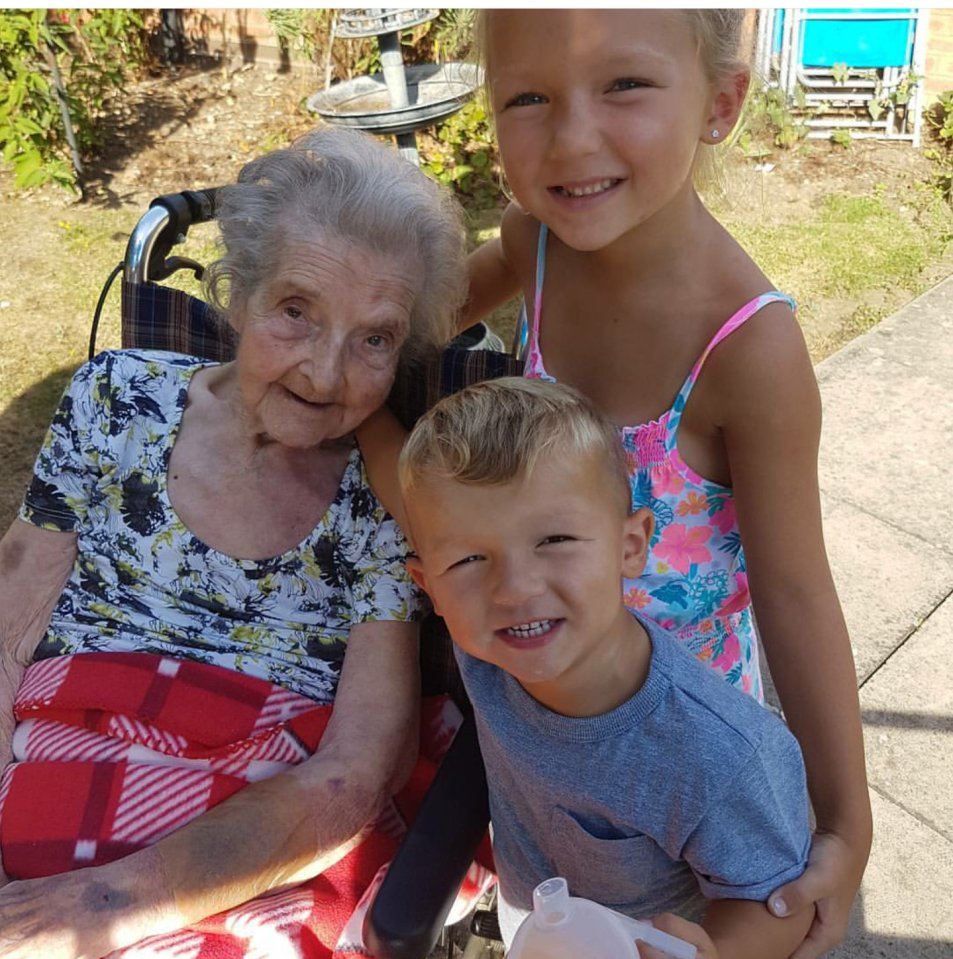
[[525, 100], [627, 83]]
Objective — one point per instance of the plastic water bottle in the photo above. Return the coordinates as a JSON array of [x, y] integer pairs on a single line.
[[565, 927]]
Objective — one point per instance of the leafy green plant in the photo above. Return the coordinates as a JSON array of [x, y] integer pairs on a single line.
[[463, 155], [897, 97], [840, 73], [770, 118], [453, 35], [842, 138], [57, 60], [939, 119], [304, 30]]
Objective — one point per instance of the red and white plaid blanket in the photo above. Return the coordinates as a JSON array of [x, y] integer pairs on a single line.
[[113, 751]]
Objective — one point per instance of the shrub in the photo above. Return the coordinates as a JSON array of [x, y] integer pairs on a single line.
[[93, 50]]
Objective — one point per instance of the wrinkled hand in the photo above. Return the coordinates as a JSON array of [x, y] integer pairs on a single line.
[[688, 931], [48, 918], [831, 881], [84, 914]]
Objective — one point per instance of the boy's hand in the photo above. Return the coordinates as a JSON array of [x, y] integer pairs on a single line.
[[831, 880], [690, 932]]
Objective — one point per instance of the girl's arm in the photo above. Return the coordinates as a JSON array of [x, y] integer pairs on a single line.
[[34, 566], [493, 277], [493, 280], [381, 438], [282, 830], [770, 417]]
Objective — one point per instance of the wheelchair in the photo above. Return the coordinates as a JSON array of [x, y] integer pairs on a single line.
[[407, 918]]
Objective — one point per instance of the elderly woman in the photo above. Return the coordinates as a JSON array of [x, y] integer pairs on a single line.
[[200, 567]]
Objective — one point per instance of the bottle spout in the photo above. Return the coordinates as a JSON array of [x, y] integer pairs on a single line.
[[551, 901]]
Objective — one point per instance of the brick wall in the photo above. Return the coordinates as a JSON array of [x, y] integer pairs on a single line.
[[235, 36], [939, 53]]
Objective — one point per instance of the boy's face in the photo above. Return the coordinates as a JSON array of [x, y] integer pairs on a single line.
[[528, 575]]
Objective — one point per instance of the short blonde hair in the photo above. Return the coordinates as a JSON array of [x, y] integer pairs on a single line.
[[496, 431]]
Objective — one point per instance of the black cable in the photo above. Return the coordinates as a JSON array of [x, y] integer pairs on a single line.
[[99, 309]]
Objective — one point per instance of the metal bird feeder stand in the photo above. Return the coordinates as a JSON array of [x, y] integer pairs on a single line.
[[399, 100]]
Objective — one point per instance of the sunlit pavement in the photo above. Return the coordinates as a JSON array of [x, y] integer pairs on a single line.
[[887, 490]]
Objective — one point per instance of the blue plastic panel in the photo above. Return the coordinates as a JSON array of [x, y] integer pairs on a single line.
[[877, 41]]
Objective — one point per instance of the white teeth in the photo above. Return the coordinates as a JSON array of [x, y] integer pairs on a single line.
[[593, 188], [536, 628]]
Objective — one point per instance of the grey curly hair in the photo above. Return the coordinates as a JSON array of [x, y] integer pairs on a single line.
[[358, 189]]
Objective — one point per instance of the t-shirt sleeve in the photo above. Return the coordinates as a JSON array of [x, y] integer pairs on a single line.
[[756, 835], [381, 588], [68, 463]]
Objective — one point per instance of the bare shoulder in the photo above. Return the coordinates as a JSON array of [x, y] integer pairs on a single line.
[[764, 370], [519, 235]]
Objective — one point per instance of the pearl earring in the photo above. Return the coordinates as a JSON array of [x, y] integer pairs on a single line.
[[715, 134]]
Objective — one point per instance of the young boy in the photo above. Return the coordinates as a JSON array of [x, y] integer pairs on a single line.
[[614, 757]]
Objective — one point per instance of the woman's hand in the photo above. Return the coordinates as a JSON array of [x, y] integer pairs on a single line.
[[79, 915], [31, 925], [831, 880], [689, 932]]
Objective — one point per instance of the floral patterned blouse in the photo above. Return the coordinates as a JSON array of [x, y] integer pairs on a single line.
[[142, 582]]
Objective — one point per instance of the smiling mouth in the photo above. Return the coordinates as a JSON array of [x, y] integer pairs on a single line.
[[590, 189], [311, 404], [530, 635], [529, 630]]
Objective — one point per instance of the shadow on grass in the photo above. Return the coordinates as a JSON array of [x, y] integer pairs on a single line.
[[139, 118], [22, 428]]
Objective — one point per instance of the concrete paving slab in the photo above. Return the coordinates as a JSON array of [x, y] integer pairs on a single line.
[[887, 444], [903, 910], [907, 708], [888, 580]]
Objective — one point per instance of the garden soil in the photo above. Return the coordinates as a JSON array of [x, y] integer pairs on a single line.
[[197, 128]]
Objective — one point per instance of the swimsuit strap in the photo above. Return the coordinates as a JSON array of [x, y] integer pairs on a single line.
[[534, 359], [732, 324], [540, 274]]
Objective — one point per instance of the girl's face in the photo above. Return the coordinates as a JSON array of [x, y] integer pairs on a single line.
[[599, 114]]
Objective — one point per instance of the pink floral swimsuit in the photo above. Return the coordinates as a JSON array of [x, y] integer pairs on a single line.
[[695, 583]]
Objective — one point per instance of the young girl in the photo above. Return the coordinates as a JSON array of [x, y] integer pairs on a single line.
[[641, 300]]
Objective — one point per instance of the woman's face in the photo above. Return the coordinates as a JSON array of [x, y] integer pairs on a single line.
[[319, 341]]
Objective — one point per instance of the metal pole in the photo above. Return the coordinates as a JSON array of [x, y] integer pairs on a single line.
[[328, 60], [392, 64], [60, 91], [763, 49], [919, 68]]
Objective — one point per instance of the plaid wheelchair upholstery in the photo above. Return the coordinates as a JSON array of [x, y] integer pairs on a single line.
[[161, 318], [158, 317]]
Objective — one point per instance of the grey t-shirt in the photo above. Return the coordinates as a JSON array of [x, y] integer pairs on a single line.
[[688, 791]]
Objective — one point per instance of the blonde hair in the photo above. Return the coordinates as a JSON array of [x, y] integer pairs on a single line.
[[723, 39], [496, 431]]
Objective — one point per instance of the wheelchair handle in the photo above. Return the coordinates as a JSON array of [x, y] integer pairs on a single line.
[[161, 227]]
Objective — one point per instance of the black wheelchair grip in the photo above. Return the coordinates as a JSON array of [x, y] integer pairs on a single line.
[[202, 203], [410, 908]]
